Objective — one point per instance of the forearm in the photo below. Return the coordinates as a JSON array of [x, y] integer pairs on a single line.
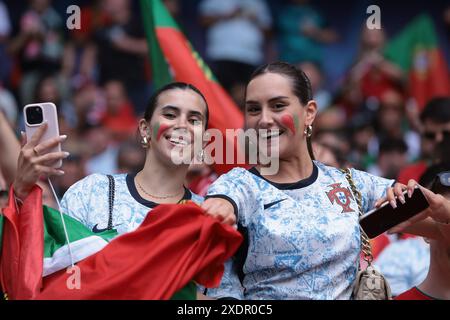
[[10, 149]]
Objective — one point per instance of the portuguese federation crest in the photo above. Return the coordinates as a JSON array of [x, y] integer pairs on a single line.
[[342, 196]]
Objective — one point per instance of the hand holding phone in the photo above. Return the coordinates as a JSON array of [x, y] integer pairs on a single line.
[[35, 116], [377, 221], [41, 154]]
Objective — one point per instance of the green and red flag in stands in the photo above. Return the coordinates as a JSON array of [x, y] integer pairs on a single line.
[[416, 50], [173, 59]]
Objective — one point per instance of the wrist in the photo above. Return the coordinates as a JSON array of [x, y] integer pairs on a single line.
[[19, 193]]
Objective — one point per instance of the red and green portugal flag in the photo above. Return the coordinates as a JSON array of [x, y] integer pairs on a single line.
[[416, 50], [173, 59]]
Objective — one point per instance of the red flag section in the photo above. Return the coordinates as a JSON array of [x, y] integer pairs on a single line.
[[174, 245], [22, 252]]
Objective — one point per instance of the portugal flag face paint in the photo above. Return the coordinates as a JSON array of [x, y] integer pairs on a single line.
[[159, 129], [291, 122]]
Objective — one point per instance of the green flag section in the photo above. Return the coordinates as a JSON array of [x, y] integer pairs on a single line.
[[173, 59], [416, 50], [83, 242]]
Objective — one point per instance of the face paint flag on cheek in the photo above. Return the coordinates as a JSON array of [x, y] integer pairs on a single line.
[[291, 122], [159, 129]]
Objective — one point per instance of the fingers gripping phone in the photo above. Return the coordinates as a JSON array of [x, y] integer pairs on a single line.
[[36, 115], [377, 221]]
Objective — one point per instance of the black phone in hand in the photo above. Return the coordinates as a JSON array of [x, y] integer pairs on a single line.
[[377, 221]]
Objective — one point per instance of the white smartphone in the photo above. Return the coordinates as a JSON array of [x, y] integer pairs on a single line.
[[35, 115]]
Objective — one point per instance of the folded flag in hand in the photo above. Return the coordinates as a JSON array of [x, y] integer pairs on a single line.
[[175, 244]]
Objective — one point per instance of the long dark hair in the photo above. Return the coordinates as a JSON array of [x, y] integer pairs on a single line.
[[173, 85], [301, 86]]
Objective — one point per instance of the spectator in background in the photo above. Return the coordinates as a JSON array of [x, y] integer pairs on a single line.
[[89, 104], [5, 30], [130, 157], [236, 38], [371, 75], [51, 88], [315, 75], [371, 70], [404, 262], [102, 157], [80, 51], [38, 45], [392, 123], [392, 157], [302, 33], [435, 119], [363, 141], [325, 154], [119, 116], [329, 133], [74, 168], [122, 50]]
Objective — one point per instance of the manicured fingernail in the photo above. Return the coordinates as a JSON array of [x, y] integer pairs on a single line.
[[66, 154], [393, 204], [402, 199], [63, 137], [60, 172], [409, 193]]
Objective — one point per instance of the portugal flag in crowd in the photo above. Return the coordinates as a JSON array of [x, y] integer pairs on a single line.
[[175, 246], [416, 50], [173, 59]]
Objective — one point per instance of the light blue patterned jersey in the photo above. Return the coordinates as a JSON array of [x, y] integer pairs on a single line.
[[303, 238], [88, 202], [404, 263]]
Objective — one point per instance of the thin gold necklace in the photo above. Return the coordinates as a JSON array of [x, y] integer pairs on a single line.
[[154, 196]]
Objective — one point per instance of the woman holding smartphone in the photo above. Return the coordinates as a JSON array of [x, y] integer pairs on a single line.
[[174, 114], [301, 223]]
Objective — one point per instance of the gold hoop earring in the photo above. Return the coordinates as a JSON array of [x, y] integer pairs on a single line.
[[308, 131], [144, 142], [201, 156]]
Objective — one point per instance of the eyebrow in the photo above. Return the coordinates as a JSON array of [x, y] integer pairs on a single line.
[[170, 107], [270, 100], [177, 109]]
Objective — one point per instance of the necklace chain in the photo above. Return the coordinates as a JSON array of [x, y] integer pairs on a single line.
[[154, 196]]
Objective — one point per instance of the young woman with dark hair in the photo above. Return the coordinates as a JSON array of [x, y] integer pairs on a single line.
[[301, 223]]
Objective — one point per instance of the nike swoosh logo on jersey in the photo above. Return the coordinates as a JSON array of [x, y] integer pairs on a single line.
[[267, 206]]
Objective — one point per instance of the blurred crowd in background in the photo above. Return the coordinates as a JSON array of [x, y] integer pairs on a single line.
[[99, 76]]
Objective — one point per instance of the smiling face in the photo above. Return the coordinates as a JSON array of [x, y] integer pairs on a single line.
[[272, 105], [179, 118]]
